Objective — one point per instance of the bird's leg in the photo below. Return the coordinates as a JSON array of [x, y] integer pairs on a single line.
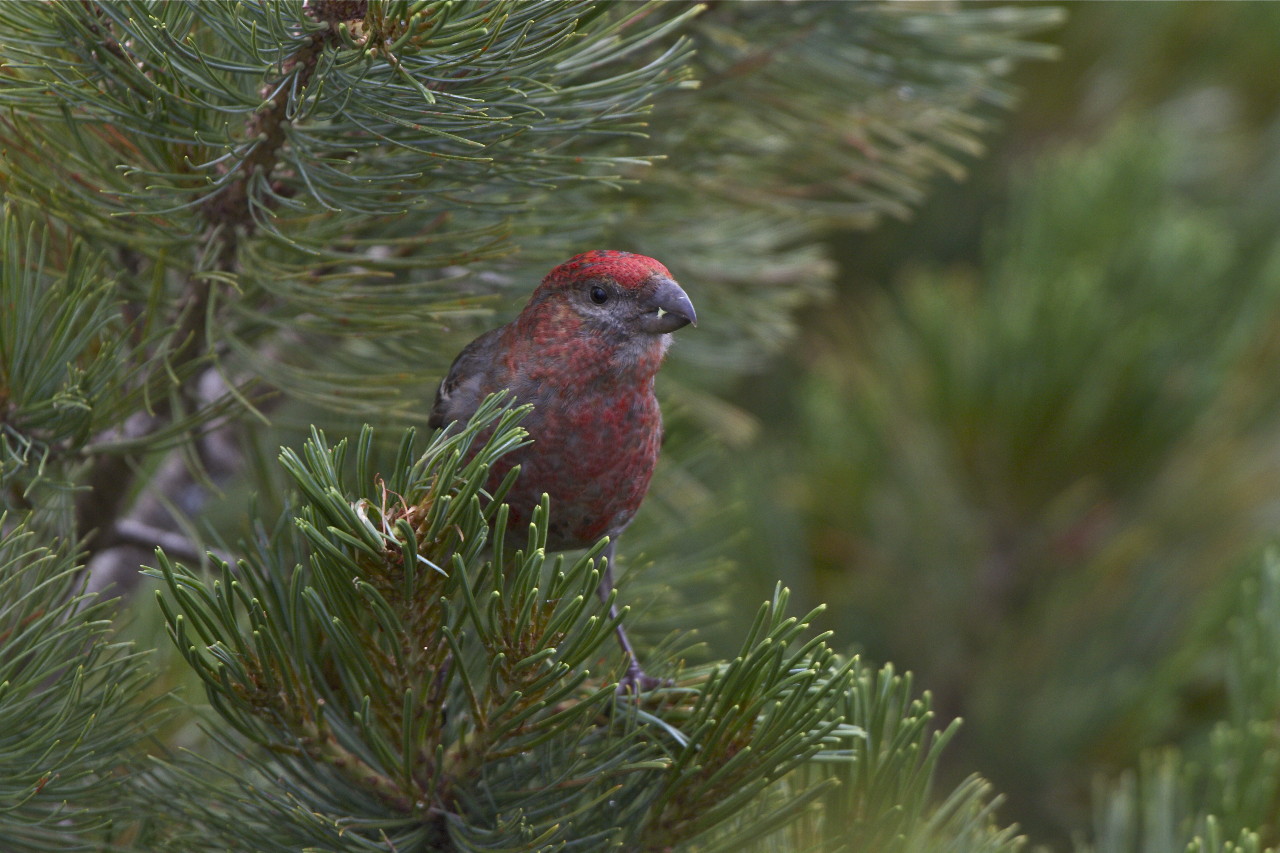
[[635, 680]]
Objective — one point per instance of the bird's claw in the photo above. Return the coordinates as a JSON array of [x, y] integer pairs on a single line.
[[637, 681]]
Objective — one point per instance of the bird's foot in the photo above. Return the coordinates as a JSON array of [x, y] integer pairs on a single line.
[[637, 681]]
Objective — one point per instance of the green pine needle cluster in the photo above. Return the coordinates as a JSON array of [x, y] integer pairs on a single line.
[[72, 712], [417, 678], [1221, 794]]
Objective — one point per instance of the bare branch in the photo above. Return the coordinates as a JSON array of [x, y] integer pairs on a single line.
[[135, 533]]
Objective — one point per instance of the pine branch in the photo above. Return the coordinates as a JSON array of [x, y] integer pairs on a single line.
[[139, 535], [231, 210], [230, 219], [422, 674], [110, 476], [1222, 795], [69, 705]]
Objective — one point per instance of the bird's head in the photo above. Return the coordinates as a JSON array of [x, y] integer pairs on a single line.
[[619, 293]]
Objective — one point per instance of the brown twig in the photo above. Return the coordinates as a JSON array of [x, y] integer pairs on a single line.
[[269, 123], [100, 509]]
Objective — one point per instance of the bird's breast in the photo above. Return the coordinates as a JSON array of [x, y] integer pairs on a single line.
[[593, 454]]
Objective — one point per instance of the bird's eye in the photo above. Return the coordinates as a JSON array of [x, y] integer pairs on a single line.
[[599, 295]]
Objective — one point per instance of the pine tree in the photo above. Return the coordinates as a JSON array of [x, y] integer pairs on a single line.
[[218, 215], [1220, 794], [1079, 434]]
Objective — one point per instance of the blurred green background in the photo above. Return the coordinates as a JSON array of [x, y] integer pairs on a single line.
[[1027, 447]]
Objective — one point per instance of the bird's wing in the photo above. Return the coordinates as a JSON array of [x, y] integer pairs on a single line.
[[466, 383]]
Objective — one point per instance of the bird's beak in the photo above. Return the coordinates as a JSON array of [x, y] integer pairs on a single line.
[[667, 308]]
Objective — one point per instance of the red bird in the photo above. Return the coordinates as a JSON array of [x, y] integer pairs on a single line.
[[584, 351]]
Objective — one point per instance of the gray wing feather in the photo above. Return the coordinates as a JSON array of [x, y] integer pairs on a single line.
[[466, 383]]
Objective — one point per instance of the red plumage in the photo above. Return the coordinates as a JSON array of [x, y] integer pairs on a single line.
[[584, 351]]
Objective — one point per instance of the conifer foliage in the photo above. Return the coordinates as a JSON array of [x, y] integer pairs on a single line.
[[404, 691], [216, 212], [405, 688]]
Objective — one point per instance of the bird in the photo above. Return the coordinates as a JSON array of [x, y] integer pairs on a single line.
[[584, 352]]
